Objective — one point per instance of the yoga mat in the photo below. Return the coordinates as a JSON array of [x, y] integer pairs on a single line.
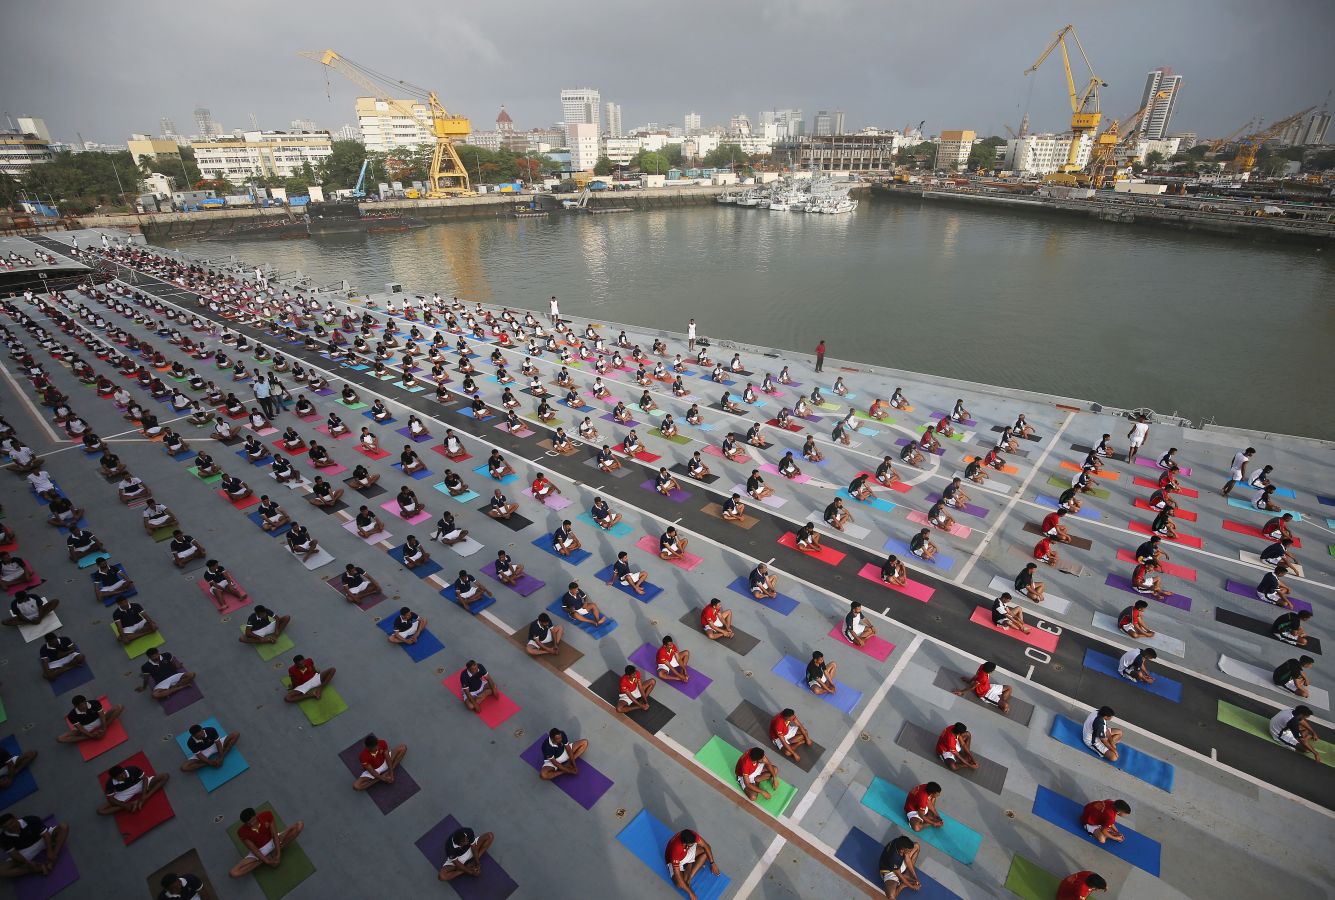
[[1161, 686], [922, 741], [475, 607], [365, 604], [647, 839], [24, 784], [230, 603], [328, 706], [1259, 725], [1161, 642], [427, 643], [114, 737], [646, 658], [466, 547], [63, 874], [873, 502], [782, 604], [1154, 464], [1121, 582], [484, 471], [585, 787], [386, 797], [524, 586], [827, 555], [1184, 515], [1263, 677], [1243, 590], [754, 721], [620, 529], [1262, 627], [416, 476], [1247, 504], [1028, 881], [516, 522], [392, 507], [900, 442], [1138, 850], [554, 501], [956, 530], [406, 432], [740, 643], [1151, 484], [233, 763], [350, 527], [243, 504], [1002, 585], [716, 511], [465, 497], [911, 588], [575, 558], [181, 699], [294, 868], [720, 758], [652, 720], [139, 646], [1077, 542], [156, 810], [1134, 762], [901, 549], [1043, 640], [1051, 503], [280, 530], [877, 648], [676, 495], [972, 509], [70, 679], [1105, 474], [109, 600], [1184, 572], [1064, 483], [954, 839], [862, 853], [187, 863], [649, 544], [773, 501], [794, 670], [422, 570], [650, 590], [372, 454], [495, 710], [50, 622]]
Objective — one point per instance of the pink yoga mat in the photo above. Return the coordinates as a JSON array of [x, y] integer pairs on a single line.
[[876, 648], [956, 530], [231, 603], [495, 710], [912, 588], [1043, 640], [649, 544], [774, 470], [393, 508]]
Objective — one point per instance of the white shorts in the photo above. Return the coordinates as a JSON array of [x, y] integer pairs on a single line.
[[1269, 598], [266, 850], [912, 814], [1290, 686], [947, 756], [1092, 828], [384, 767], [129, 793], [1286, 738], [993, 694], [1097, 746], [267, 629], [309, 685], [891, 876], [1129, 627], [169, 682], [64, 660], [410, 631], [115, 587], [32, 850]]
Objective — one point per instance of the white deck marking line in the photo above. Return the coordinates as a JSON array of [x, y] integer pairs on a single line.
[[827, 771], [31, 407], [760, 868], [995, 526], [1267, 701]]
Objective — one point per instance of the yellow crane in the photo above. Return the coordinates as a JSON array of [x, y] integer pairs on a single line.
[[1103, 166], [447, 177], [1250, 146], [1085, 113]]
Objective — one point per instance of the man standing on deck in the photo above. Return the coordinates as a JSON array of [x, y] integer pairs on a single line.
[[820, 355], [690, 336], [1238, 470], [556, 311], [1137, 437]]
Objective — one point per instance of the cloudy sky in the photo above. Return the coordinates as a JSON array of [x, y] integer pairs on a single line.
[[108, 69]]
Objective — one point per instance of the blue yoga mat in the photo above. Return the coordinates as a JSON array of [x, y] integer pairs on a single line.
[[257, 519], [233, 763], [1051, 503], [647, 838], [1160, 686], [24, 784], [430, 567], [1130, 760], [941, 561], [958, 841], [650, 590], [575, 558], [473, 608], [782, 604], [1325, 501], [1140, 851], [415, 476], [484, 471], [1279, 491], [862, 853], [844, 698], [600, 631], [427, 645], [874, 502], [1247, 504], [620, 529]]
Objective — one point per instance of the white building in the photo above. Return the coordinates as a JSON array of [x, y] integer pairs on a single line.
[[788, 123], [953, 149], [1158, 109], [691, 123], [303, 124], [1042, 154], [740, 125], [753, 144], [583, 145], [34, 125], [260, 154], [613, 128], [386, 125], [20, 152], [699, 146], [159, 185], [1138, 151], [582, 106], [348, 133], [621, 150]]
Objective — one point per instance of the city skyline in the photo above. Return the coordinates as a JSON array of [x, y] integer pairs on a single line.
[[875, 77]]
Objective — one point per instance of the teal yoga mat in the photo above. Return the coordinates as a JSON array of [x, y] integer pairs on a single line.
[[958, 841]]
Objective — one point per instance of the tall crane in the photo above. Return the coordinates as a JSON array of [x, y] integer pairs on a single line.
[[1085, 113], [1250, 145], [1103, 166], [447, 176]]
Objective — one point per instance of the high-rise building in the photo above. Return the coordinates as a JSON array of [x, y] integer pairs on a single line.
[[1161, 87], [1307, 131], [740, 125], [822, 125], [34, 125], [582, 138], [788, 123], [838, 124], [692, 123], [205, 124], [303, 124], [167, 127], [348, 133], [613, 125], [582, 105]]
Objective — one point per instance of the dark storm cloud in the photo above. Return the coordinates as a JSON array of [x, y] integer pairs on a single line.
[[108, 69]]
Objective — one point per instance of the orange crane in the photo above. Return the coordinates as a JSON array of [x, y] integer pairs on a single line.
[[1250, 145], [1103, 166], [1085, 113]]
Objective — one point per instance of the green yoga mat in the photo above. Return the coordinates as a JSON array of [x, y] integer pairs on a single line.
[[295, 867], [320, 711], [277, 648], [676, 438], [1259, 725], [1058, 481], [720, 757], [1029, 882], [888, 420], [164, 532], [140, 646], [212, 479]]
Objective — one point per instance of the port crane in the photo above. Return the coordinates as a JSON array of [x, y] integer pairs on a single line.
[[1085, 115], [1250, 145], [1103, 166], [447, 175]]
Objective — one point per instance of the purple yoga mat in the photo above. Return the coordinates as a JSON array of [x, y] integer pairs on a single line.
[[181, 699], [387, 797], [1177, 601], [1245, 590], [584, 787], [1153, 463], [647, 659], [971, 509], [492, 884], [676, 496], [409, 435], [61, 876], [902, 441], [526, 584]]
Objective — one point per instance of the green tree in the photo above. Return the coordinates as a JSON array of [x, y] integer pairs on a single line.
[[673, 153], [983, 155], [651, 162], [182, 167], [1154, 159], [603, 166], [80, 182], [725, 156], [340, 169], [1321, 161]]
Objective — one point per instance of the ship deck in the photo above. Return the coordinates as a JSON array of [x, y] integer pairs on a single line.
[[1220, 811]]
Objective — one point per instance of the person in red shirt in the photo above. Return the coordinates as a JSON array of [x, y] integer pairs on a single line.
[[542, 489], [263, 847], [788, 733], [999, 695], [1045, 552], [1080, 885], [1052, 526], [753, 770], [920, 807], [633, 692], [307, 681], [378, 762], [1100, 819], [672, 662], [1146, 582], [715, 621], [954, 747], [685, 855]]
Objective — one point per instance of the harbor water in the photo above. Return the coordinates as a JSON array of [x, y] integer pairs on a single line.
[[1209, 328]]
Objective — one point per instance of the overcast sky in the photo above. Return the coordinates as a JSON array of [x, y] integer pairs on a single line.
[[108, 69]]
